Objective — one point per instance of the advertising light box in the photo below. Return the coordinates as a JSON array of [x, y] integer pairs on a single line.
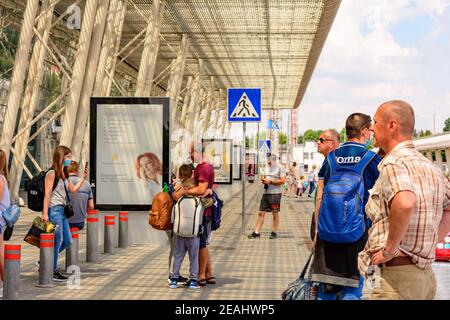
[[129, 151]]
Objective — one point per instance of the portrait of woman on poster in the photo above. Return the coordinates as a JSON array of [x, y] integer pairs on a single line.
[[149, 168]]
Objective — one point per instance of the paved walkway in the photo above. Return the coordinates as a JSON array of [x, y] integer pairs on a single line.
[[253, 269]]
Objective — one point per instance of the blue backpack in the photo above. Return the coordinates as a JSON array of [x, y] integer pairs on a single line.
[[341, 215], [216, 211]]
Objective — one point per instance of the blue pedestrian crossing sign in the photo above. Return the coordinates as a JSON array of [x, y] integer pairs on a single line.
[[264, 146], [244, 104]]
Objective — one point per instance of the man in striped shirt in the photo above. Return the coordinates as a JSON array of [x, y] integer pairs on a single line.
[[409, 206]]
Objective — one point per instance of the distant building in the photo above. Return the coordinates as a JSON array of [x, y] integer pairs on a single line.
[[306, 155], [437, 149]]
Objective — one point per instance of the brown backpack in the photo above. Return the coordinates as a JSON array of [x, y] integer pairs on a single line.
[[160, 215]]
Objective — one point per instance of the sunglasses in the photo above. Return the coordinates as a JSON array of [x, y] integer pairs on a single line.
[[321, 140]]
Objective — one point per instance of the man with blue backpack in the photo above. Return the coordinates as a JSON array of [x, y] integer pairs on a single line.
[[347, 175]]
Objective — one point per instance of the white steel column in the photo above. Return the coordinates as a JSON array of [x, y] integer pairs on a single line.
[[198, 108], [17, 81], [89, 77], [150, 52], [118, 27], [194, 98], [176, 76], [31, 97], [216, 115], [107, 48], [224, 122], [227, 131], [209, 104], [78, 73], [186, 100]]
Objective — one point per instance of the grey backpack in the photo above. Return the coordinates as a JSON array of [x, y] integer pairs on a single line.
[[187, 215]]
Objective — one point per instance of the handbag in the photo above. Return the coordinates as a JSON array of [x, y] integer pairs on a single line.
[[207, 202], [11, 215], [302, 288], [37, 227], [68, 209]]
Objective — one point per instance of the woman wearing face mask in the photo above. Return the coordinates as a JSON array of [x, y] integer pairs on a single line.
[[56, 184]]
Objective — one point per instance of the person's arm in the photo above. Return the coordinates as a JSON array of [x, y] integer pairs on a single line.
[[199, 190], [2, 185], [316, 210], [49, 180], [74, 188], [444, 225], [278, 182], [400, 212], [91, 204]]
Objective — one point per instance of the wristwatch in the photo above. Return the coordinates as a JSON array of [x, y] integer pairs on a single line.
[[389, 255]]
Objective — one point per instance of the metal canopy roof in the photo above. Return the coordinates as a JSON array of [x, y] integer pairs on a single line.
[[270, 44]]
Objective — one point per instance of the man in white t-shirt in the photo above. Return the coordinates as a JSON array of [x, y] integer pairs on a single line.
[[273, 179]]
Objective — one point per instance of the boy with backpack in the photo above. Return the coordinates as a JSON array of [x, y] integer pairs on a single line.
[[187, 216], [348, 173]]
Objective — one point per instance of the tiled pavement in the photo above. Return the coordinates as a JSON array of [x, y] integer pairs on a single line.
[[245, 269]]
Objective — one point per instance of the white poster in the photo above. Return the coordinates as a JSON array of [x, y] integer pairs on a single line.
[[129, 153]]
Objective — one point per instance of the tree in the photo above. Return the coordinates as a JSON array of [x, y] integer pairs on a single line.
[[428, 133], [310, 135], [342, 135], [282, 138], [447, 125], [300, 139]]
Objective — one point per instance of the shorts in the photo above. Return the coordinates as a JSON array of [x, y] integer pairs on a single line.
[[270, 202], [206, 234]]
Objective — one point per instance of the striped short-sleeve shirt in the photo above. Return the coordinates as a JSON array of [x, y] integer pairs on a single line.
[[406, 169]]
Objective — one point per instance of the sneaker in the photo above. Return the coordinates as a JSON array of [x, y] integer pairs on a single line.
[[58, 277], [180, 279], [253, 235], [193, 284], [173, 283], [1, 291], [37, 264], [273, 235]]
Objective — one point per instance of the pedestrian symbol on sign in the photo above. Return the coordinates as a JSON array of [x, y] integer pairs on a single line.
[[244, 108]]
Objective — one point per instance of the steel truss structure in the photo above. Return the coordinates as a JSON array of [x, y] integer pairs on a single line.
[[188, 50]]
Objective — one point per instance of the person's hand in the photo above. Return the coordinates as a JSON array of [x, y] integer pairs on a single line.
[[208, 192], [85, 172], [379, 258], [178, 187], [265, 181], [45, 217]]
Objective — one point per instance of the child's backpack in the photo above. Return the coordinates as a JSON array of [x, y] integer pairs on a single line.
[[160, 214], [36, 191], [187, 215], [216, 212], [341, 215]]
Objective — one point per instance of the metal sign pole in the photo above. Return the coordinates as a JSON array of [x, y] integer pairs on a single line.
[[243, 179]]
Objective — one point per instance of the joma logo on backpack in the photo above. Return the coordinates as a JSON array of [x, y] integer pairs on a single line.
[[342, 160], [33, 192]]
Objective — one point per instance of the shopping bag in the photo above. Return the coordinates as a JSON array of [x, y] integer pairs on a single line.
[[302, 288], [37, 227]]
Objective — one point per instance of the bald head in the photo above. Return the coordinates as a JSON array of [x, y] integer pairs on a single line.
[[400, 111], [332, 134]]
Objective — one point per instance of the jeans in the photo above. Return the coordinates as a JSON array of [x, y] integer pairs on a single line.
[[345, 293], [63, 236], [79, 225], [191, 245], [312, 186]]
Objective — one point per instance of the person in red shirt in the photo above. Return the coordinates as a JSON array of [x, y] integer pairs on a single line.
[[204, 175]]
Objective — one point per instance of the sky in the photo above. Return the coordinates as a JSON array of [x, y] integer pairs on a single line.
[[379, 50]]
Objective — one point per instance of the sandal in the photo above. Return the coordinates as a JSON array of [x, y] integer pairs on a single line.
[[211, 280], [201, 282]]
